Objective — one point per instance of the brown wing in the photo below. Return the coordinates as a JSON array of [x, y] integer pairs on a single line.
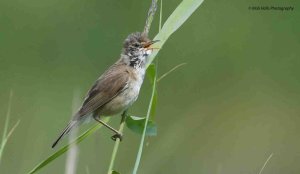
[[108, 86]]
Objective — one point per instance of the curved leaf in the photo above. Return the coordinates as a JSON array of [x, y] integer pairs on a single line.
[[114, 172], [136, 124]]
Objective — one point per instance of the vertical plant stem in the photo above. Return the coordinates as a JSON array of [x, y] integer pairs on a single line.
[[139, 155], [116, 146], [150, 17]]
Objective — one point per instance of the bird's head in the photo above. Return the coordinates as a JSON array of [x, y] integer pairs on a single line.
[[136, 48]]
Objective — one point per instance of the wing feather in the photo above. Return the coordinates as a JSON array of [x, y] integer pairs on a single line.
[[108, 86]]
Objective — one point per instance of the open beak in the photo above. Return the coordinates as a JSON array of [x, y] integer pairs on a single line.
[[148, 44]]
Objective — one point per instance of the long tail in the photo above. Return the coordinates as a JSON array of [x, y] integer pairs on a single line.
[[65, 131]]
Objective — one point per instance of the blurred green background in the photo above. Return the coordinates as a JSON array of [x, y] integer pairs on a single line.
[[233, 104]]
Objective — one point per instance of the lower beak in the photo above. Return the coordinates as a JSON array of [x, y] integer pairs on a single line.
[[147, 45]]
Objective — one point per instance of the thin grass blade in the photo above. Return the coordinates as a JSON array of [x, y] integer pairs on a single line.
[[266, 162], [5, 135], [12, 129], [64, 149], [171, 70]]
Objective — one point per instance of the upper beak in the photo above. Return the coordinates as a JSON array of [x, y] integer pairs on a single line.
[[148, 44]]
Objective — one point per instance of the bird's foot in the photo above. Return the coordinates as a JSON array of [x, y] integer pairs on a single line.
[[117, 135]]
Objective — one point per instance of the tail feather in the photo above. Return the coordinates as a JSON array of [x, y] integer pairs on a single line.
[[64, 132]]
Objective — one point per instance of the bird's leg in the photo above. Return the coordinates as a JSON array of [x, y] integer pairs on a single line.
[[117, 135], [124, 114]]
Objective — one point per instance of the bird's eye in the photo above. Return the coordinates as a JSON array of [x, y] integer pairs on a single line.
[[137, 45]]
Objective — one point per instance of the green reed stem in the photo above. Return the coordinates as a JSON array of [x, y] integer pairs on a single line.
[[116, 146]]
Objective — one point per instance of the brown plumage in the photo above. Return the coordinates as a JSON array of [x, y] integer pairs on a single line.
[[118, 87]]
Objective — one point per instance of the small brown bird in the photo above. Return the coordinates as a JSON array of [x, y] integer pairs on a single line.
[[119, 86]]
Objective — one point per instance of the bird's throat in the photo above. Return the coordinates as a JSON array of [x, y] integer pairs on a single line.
[[140, 60], [137, 62]]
